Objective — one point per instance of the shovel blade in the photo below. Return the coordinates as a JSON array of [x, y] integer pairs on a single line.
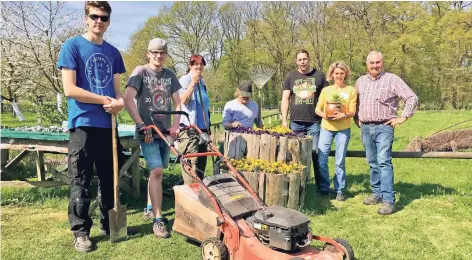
[[118, 225]]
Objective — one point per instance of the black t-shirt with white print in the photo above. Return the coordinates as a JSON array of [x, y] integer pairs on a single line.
[[155, 91], [305, 90]]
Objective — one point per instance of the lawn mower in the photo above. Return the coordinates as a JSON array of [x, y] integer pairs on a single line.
[[228, 218]]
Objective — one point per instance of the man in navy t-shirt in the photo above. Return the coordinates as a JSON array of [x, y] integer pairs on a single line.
[[91, 69]]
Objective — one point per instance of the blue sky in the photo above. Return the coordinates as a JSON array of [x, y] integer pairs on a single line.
[[126, 18]]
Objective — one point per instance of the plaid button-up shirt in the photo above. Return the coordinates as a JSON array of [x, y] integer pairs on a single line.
[[378, 97]]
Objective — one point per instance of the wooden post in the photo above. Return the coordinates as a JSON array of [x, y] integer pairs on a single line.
[[5, 156], [253, 143], [268, 148], [283, 142], [236, 146], [134, 169], [40, 166], [306, 147], [294, 190], [276, 188], [262, 185], [293, 150]]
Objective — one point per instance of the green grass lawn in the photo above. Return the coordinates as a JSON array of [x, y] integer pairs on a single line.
[[434, 221]]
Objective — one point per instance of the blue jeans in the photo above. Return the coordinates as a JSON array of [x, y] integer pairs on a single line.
[[313, 130], [377, 141], [156, 154], [324, 147]]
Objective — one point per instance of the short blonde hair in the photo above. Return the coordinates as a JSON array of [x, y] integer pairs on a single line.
[[338, 65]]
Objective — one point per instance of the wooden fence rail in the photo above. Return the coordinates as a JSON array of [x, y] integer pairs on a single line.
[[435, 155]]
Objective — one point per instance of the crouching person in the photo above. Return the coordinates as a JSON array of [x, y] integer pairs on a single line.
[[242, 111]]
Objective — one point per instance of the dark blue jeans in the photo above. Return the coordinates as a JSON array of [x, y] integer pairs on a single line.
[[377, 141], [313, 130]]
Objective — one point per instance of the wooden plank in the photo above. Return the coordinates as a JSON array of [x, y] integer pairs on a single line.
[[42, 148], [267, 148], [282, 153], [306, 148], [275, 188], [253, 179], [236, 146], [226, 142], [261, 188], [25, 141], [17, 159], [273, 149], [5, 156], [40, 166], [285, 189], [435, 155], [253, 146], [130, 161], [305, 151], [31, 184], [124, 185], [293, 150], [129, 142], [134, 169], [294, 191], [62, 177]]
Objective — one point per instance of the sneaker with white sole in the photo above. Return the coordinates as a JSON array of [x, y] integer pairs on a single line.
[[340, 196], [83, 244], [160, 230], [148, 215]]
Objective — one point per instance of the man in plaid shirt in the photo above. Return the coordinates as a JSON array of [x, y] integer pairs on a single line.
[[378, 94]]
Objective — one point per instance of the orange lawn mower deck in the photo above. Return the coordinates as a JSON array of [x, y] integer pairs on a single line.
[[228, 218]]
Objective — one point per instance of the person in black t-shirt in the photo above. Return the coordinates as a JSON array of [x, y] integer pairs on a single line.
[[301, 90]]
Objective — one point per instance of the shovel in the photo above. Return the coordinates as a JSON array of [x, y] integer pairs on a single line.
[[117, 215]]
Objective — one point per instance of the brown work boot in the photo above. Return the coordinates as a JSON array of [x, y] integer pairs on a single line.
[[386, 208], [160, 230], [372, 200], [83, 244]]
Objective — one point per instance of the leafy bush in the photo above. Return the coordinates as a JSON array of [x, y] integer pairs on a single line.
[[51, 115]]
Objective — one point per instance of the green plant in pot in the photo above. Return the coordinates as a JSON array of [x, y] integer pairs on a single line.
[[335, 104]]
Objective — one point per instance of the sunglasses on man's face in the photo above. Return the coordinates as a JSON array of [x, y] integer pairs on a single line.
[[103, 18]]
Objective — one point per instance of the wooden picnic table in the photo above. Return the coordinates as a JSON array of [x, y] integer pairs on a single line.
[[56, 142]]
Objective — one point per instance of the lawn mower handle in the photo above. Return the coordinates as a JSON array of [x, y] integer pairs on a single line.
[[160, 112], [214, 152]]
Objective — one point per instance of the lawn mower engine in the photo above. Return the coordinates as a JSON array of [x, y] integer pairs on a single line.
[[281, 228]]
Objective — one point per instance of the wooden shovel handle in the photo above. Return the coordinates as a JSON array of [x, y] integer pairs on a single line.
[[116, 185]]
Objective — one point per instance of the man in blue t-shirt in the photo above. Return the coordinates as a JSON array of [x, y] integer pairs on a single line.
[[91, 69]]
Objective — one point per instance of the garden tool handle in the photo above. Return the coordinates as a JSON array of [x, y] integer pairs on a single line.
[[116, 185]]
